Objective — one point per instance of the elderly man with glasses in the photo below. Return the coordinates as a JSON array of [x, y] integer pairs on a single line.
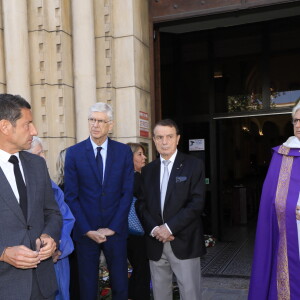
[[99, 189]]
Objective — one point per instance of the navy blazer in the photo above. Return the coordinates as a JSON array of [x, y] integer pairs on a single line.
[[93, 203], [184, 204]]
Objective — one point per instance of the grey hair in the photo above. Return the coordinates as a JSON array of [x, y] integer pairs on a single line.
[[60, 166], [102, 107], [295, 109], [35, 141]]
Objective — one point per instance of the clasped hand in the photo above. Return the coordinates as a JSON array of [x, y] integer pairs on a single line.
[[22, 257], [99, 236], [163, 234]]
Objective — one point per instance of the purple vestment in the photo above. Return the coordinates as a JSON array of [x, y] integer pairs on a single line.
[[276, 265]]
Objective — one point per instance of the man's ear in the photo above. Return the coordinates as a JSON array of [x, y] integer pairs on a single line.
[[5, 125], [111, 125]]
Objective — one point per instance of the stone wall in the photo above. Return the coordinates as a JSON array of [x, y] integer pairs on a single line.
[[64, 55]]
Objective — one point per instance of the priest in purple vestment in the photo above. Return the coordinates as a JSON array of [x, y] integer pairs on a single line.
[[276, 264]]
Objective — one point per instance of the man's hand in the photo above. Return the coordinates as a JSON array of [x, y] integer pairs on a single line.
[[96, 236], [45, 246], [21, 257], [56, 255], [163, 234], [106, 231]]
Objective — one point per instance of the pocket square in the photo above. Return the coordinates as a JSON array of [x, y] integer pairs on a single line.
[[181, 179]]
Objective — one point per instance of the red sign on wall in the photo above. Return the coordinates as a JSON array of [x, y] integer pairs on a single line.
[[144, 124]]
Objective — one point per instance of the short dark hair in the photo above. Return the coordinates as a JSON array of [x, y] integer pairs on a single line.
[[167, 122], [10, 107]]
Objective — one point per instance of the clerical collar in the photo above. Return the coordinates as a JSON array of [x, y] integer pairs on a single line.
[[292, 142]]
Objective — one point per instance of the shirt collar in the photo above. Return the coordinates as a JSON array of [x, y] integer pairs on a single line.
[[95, 146], [5, 156], [171, 159]]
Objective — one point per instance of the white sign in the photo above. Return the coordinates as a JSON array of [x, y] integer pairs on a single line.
[[197, 145]]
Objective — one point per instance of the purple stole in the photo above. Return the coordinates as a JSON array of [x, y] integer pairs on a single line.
[[276, 264]]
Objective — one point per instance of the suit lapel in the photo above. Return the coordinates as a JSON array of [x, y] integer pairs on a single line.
[[30, 183], [92, 159], [176, 170], [8, 196], [156, 185]]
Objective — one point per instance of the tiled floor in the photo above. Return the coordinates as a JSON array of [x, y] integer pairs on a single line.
[[226, 268], [218, 288], [231, 257]]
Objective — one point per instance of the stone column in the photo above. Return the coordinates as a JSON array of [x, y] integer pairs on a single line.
[[16, 47], [84, 63], [123, 67], [51, 75]]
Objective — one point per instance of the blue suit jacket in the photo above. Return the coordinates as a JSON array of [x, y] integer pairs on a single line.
[[94, 204]]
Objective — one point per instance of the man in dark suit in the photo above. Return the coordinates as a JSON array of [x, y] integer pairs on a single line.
[[30, 221], [99, 189], [170, 210]]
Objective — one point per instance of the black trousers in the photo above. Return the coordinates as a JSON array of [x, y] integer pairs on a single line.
[[139, 282], [74, 278]]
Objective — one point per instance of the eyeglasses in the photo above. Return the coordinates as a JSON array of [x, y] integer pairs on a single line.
[[160, 138], [295, 121], [93, 121]]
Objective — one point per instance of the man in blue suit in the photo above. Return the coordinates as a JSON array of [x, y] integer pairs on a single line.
[[99, 190]]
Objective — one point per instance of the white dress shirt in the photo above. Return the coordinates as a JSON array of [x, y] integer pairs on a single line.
[[162, 168], [8, 170], [103, 152]]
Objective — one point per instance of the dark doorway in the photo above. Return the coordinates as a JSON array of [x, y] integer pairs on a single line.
[[233, 87], [245, 150]]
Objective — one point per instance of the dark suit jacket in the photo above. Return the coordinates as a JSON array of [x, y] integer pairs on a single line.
[[43, 217], [96, 205], [184, 204]]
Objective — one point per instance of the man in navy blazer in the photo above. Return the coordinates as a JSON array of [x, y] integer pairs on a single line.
[[99, 189], [170, 208]]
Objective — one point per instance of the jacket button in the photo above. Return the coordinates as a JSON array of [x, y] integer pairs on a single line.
[[29, 227]]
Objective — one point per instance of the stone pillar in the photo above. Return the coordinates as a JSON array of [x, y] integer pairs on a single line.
[[84, 63], [16, 47], [123, 70], [51, 75]]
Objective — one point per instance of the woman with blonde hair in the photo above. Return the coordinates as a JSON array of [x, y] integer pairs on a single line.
[[60, 166]]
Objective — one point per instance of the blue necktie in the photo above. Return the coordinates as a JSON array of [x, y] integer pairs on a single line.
[[164, 184], [99, 162], [20, 184]]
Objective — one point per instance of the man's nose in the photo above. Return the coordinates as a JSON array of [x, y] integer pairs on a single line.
[[33, 130]]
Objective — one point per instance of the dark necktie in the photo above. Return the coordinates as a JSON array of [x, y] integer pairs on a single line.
[[20, 184], [99, 162]]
